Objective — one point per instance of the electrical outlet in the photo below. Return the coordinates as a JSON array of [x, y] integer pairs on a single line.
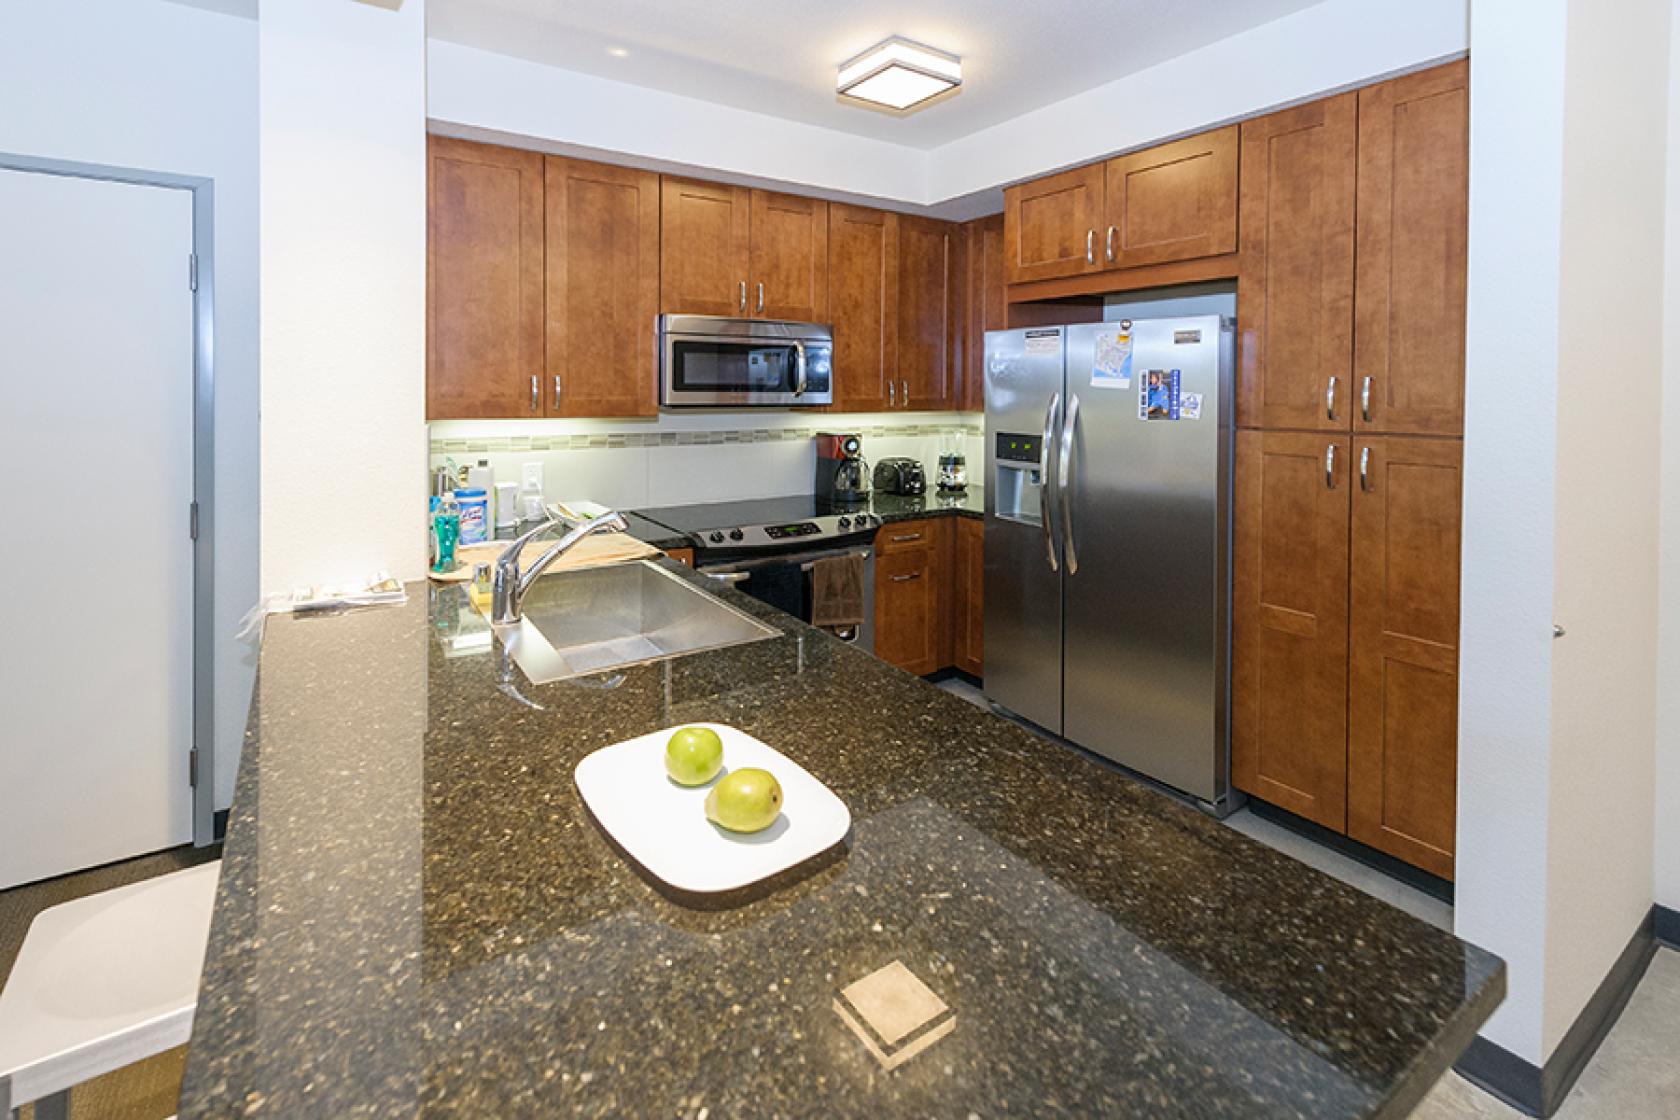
[[531, 476]]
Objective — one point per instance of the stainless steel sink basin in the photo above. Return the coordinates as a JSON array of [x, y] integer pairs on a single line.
[[597, 619]]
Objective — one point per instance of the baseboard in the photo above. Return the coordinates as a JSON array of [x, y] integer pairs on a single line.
[[1539, 1091], [219, 825], [1665, 926], [1432, 885]]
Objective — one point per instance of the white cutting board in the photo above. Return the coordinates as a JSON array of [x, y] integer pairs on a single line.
[[663, 825]]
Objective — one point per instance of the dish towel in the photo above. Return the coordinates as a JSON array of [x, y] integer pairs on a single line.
[[837, 591]]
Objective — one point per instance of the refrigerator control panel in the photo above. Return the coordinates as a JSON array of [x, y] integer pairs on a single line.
[[1017, 448]]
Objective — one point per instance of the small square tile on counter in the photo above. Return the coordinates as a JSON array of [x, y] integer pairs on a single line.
[[894, 1014]]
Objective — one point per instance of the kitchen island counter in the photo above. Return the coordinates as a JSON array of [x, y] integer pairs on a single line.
[[417, 915]]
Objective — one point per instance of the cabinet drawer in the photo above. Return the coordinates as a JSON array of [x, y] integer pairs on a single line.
[[903, 536]]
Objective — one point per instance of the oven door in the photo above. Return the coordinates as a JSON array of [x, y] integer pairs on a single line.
[[711, 370], [784, 582]]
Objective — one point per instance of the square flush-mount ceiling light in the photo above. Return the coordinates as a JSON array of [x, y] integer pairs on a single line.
[[899, 75]]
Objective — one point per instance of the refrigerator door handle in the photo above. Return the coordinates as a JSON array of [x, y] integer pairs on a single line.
[[1044, 487], [1064, 481]]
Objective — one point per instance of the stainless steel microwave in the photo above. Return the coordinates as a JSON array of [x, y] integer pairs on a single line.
[[710, 361]]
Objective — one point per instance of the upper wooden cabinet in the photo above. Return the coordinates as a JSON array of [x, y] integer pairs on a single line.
[[1295, 307], [863, 304], [1403, 680], [987, 306], [484, 281], [788, 278], [704, 248], [1050, 225], [1413, 219], [930, 328], [603, 289], [1174, 202]]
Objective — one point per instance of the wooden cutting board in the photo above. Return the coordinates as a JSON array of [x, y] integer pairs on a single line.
[[591, 552]]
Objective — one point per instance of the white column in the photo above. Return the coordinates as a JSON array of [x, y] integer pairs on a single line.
[[1668, 618], [343, 197]]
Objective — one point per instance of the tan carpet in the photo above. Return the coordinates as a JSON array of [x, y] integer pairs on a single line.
[[147, 1090]]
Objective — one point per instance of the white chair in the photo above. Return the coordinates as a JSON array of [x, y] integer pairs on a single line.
[[100, 983]]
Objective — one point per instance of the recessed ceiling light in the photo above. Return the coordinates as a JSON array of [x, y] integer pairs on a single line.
[[618, 52], [899, 75]]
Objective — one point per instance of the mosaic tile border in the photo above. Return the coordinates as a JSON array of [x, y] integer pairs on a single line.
[[612, 440]]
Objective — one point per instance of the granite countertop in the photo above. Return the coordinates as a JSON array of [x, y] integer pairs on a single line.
[[417, 914]]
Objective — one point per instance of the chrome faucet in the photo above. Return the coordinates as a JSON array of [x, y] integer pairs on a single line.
[[510, 584]]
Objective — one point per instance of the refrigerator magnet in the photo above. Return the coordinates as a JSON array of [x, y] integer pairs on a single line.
[[1158, 395], [1190, 406], [1111, 358]]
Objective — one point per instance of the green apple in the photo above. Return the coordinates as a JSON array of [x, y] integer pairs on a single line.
[[747, 800], [694, 756]]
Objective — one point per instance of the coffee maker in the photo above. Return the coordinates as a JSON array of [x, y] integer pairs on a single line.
[[842, 472]]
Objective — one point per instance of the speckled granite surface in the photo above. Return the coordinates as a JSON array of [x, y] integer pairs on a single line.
[[418, 916]]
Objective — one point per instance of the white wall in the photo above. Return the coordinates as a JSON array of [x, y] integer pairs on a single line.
[[1610, 340], [160, 86], [1667, 871], [343, 119], [1336, 43]]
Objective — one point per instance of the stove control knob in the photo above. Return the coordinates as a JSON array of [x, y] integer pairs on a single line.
[[846, 522], [716, 537], [735, 534]]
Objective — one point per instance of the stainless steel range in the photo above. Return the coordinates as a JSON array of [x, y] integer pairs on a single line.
[[767, 547]]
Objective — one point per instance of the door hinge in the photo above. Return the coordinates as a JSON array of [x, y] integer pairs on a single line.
[[192, 768], [192, 520], [192, 271]]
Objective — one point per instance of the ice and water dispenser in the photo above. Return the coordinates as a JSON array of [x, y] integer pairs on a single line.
[[1019, 478]]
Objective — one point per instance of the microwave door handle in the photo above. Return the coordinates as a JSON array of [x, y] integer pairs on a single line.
[[798, 368]]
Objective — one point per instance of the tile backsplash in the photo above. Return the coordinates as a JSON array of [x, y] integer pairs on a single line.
[[678, 459]]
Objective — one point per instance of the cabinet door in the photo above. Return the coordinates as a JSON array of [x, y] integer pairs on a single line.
[[987, 306], [1175, 202], [911, 624], [789, 274], [1414, 149], [1403, 738], [1295, 313], [704, 246], [603, 289], [1289, 656], [929, 316], [1051, 225], [484, 281], [968, 577], [863, 299]]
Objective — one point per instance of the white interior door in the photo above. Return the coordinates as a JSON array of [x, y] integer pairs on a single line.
[[96, 430]]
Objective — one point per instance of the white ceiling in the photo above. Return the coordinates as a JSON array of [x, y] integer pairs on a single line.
[[780, 56]]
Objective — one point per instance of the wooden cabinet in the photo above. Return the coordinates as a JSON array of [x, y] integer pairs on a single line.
[[1050, 225], [863, 303], [912, 567], [1289, 623], [682, 556], [1403, 680], [1295, 309], [930, 255], [1173, 202], [788, 276], [1411, 244], [968, 582], [705, 246], [602, 236], [484, 281], [986, 305]]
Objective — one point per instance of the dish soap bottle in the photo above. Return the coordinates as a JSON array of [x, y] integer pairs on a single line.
[[446, 530]]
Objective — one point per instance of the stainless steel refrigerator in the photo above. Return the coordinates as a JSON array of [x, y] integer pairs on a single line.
[[1108, 482]]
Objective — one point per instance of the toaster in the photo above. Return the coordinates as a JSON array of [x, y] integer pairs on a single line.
[[899, 476]]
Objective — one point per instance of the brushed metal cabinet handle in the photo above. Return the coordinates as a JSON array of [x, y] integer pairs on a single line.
[[534, 391], [904, 392], [1330, 399], [743, 297], [1330, 467], [1108, 243], [901, 538], [557, 390], [906, 579], [761, 297], [892, 393], [1090, 246], [1365, 400], [1365, 469]]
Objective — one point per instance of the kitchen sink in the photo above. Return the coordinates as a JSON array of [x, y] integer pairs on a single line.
[[597, 619]]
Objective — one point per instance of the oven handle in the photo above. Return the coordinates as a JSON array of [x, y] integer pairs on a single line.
[[728, 577], [805, 560]]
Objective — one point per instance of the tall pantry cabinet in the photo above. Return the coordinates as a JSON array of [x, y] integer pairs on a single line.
[[1349, 462]]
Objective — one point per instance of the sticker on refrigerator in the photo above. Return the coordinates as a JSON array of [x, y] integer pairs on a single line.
[[1158, 396], [1190, 406], [1044, 342], [1111, 358]]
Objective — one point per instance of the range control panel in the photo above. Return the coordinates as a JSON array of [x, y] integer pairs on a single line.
[[740, 539], [788, 532], [1014, 447]]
